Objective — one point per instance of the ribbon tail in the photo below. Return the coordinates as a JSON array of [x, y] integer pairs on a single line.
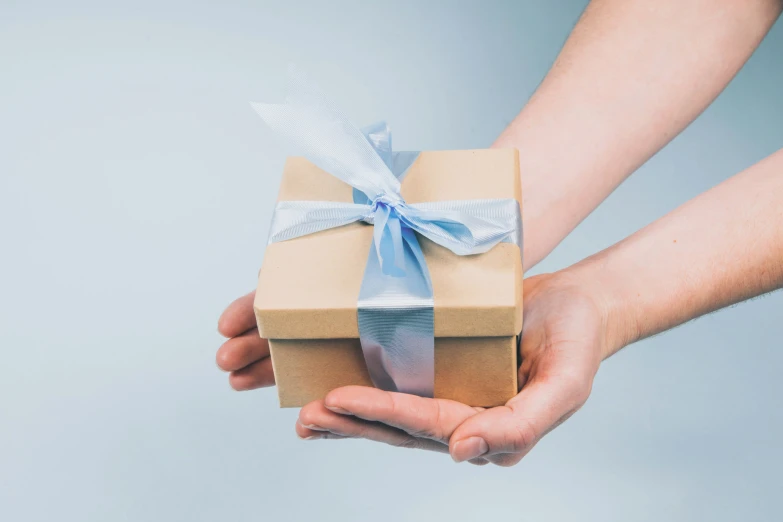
[[294, 219], [467, 227], [396, 323]]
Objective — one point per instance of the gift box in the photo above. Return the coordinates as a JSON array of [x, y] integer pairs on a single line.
[[307, 302]]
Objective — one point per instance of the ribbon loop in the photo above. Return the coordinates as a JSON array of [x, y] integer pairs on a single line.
[[327, 138]]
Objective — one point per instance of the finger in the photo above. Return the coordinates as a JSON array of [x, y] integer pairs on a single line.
[[308, 434], [434, 419], [238, 317], [238, 352], [257, 375], [506, 434], [316, 417]]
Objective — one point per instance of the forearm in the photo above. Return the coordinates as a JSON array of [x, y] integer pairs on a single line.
[[720, 248], [631, 76]]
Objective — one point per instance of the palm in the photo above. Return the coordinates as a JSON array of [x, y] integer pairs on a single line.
[[560, 351]]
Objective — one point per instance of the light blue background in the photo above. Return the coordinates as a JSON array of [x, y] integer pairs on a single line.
[[136, 188]]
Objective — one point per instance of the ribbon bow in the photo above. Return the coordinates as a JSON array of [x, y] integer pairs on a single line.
[[395, 303]]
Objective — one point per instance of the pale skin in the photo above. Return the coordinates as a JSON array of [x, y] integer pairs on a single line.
[[631, 76]]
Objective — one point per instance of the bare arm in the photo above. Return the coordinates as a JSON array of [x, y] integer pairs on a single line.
[[631, 76], [720, 248]]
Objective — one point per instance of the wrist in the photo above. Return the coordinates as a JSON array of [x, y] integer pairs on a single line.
[[606, 290]]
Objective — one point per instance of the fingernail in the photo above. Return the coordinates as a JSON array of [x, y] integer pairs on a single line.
[[469, 448], [314, 427], [339, 410], [311, 437]]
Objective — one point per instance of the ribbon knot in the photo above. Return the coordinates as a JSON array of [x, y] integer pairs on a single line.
[[386, 216], [385, 204], [390, 200]]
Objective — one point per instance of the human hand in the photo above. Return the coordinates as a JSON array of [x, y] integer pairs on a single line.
[[563, 343], [245, 355]]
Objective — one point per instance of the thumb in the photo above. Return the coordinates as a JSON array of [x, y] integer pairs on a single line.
[[506, 434]]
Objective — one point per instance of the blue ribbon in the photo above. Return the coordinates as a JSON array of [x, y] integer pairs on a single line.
[[395, 304]]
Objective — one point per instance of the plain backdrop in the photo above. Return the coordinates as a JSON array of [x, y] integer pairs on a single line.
[[136, 189]]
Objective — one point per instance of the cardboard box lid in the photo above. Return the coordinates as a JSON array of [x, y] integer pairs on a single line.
[[308, 287]]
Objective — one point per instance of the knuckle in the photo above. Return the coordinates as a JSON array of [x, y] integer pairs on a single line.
[[391, 405], [436, 429], [359, 431], [429, 422], [577, 387], [430, 429], [307, 416], [506, 460], [580, 398], [407, 442], [223, 359], [522, 436], [238, 382]]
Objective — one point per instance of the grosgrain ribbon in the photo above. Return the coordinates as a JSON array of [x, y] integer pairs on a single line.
[[395, 303]]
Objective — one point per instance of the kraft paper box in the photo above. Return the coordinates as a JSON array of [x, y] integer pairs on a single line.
[[306, 303]]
